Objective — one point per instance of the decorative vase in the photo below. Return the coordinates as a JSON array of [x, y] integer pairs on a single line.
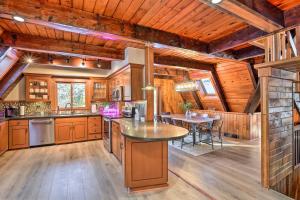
[[188, 114]]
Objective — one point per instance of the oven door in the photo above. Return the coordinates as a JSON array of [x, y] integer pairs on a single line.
[[107, 134]]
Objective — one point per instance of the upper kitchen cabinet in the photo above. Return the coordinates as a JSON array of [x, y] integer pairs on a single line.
[[37, 88], [129, 82], [99, 90]]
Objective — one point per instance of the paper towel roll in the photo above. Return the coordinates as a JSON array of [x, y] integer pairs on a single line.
[[22, 110]]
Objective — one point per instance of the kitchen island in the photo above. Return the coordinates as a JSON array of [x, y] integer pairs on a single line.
[[142, 148]]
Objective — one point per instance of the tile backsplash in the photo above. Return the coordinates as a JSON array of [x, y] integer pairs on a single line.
[[30, 107]]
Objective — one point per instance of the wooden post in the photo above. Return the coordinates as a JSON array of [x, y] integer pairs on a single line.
[[149, 79]]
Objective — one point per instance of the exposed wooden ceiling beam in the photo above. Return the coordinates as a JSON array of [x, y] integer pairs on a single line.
[[78, 21], [249, 52], [11, 78], [257, 13], [181, 62], [67, 48], [235, 39], [219, 89], [292, 17], [253, 101]]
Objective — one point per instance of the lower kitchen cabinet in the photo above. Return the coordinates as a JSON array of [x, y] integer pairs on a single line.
[[94, 128], [117, 141], [63, 133], [3, 137], [18, 134], [69, 130]]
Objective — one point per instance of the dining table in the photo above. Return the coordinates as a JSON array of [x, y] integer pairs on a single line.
[[193, 121]]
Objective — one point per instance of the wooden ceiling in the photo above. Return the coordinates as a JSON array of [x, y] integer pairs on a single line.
[[285, 4], [45, 32], [189, 18]]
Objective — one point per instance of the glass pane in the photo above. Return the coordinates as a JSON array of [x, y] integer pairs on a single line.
[[79, 95], [208, 87], [63, 94]]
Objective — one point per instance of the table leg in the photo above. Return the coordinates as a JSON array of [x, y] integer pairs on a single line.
[[194, 134]]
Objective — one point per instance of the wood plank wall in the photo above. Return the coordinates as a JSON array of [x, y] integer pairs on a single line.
[[170, 99], [236, 83], [208, 102], [290, 185], [245, 126]]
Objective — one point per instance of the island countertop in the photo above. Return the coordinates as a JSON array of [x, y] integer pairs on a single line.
[[150, 131]]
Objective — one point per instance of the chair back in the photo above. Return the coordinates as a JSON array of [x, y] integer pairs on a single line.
[[217, 125], [168, 120], [158, 119], [177, 122]]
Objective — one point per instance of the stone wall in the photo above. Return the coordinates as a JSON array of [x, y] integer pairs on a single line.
[[277, 125]]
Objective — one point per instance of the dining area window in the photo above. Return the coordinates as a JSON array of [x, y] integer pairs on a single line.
[[71, 95]]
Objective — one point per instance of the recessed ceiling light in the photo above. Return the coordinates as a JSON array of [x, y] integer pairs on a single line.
[[29, 60], [19, 19], [216, 1]]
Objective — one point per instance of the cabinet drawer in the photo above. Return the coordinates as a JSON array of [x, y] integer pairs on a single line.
[[94, 129], [18, 123], [94, 119], [94, 136], [70, 120]]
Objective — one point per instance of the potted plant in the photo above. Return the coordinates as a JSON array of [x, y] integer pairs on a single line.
[[186, 107]]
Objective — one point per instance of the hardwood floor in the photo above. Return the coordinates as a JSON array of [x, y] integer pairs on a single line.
[[75, 171], [230, 173], [86, 171]]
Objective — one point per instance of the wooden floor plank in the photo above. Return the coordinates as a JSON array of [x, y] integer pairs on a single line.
[[87, 171]]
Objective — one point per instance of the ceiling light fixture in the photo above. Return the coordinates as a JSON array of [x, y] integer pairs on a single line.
[[68, 59], [83, 62], [50, 59], [98, 63], [18, 18], [216, 1], [148, 86], [29, 60]]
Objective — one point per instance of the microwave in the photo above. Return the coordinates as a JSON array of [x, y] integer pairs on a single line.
[[117, 94]]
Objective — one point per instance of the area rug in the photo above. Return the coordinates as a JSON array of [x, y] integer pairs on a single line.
[[198, 149]]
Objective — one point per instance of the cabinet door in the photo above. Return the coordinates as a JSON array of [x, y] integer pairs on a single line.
[[18, 137], [3, 137], [63, 133], [116, 141], [79, 131]]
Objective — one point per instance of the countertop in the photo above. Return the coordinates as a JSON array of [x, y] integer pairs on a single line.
[[61, 115], [150, 131]]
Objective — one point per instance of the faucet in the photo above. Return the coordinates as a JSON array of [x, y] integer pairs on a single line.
[[70, 106]]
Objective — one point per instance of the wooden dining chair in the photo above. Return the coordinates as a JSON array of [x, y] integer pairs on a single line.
[[216, 132], [158, 119]]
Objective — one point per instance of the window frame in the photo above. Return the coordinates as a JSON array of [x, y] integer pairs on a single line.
[[72, 81], [204, 89]]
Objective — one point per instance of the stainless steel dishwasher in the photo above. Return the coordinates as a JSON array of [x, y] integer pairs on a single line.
[[41, 131]]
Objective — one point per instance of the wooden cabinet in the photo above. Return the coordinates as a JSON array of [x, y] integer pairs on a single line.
[[116, 141], [18, 134], [79, 131], [99, 90], [37, 88], [131, 79], [3, 137], [63, 132], [69, 130], [94, 128]]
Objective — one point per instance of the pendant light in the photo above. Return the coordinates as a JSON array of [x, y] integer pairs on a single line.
[[148, 87]]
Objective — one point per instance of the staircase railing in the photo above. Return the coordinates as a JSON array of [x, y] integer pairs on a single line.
[[282, 45]]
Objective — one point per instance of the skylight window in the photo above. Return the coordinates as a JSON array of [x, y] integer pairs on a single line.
[[208, 87]]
